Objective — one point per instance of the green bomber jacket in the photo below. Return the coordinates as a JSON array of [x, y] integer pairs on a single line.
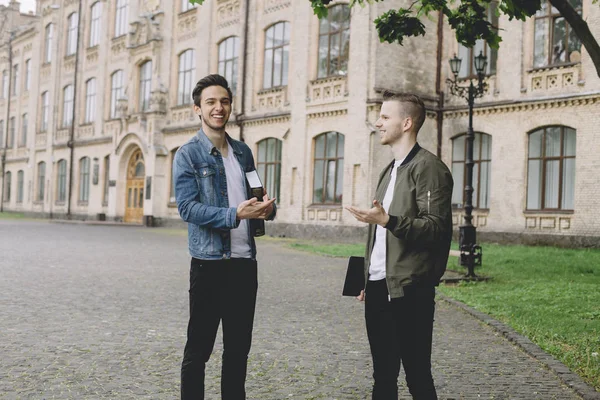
[[419, 231]]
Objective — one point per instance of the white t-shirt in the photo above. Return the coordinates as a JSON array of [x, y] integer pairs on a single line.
[[379, 253], [236, 193]]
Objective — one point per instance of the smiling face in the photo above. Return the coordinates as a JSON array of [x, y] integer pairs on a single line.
[[215, 108], [393, 122]]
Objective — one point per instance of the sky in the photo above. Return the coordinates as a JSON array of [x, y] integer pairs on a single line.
[[26, 5]]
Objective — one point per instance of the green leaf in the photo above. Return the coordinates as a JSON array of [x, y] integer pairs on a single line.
[[395, 25], [199, 2]]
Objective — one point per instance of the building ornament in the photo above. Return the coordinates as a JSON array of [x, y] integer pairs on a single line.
[[276, 5], [146, 29]]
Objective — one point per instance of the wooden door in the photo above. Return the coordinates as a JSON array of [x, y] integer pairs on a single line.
[[134, 192]]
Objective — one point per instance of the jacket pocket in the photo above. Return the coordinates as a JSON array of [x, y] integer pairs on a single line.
[[206, 181]]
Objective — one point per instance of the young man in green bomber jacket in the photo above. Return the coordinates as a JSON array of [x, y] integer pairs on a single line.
[[410, 229]]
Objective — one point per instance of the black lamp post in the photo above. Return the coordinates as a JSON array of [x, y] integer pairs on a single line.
[[470, 252]]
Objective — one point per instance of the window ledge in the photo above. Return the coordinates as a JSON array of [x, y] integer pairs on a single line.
[[82, 203], [549, 212], [553, 67], [325, 206]]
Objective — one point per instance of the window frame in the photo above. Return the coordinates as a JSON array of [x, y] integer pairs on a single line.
[[116, 92], [343, 28], [44, 111], [20, 185], [187, 6], [145, 86], [121, 17], [90, 101], [106, 180], [223, 63], [49, 37], [67, 114], [326, 160], [12, 131], [24, 127], [186, 76], [61, 181], [15, 82], [264, 165], [27, 82], [5, 85], [41, 181], [95, 21], [284, 46], [72, 33], [84, 180], [476, 162], [7, 186]]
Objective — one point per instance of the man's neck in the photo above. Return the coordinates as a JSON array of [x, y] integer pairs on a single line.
[[217, 137], [403, 146]]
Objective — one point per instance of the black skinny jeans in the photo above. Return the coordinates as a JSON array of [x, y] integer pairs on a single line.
[[219, 290], [400, 332]]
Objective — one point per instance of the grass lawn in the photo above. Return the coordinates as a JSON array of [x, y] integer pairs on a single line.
[[550, 295], [11, 215]]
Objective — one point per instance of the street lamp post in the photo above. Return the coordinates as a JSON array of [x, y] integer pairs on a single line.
[[470, 252]]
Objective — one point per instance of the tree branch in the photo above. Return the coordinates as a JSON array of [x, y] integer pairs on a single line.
[[582, 30]]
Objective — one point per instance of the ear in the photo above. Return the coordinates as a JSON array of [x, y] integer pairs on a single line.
[[197, 110], [408, 124]]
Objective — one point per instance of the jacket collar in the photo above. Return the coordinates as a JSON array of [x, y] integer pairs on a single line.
[[209, 148], [411, 154]]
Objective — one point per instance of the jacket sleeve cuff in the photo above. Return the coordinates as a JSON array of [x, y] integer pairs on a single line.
[[393, 221], [232, 217]]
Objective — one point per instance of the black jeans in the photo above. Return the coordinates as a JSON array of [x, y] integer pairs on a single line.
[[219, 290], [400, 332]]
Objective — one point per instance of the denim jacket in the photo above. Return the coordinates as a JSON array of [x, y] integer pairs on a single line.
[[201, 194]]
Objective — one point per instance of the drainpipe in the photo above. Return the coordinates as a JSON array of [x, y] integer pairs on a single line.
[[240, 116], [438, 83], [71, 142], [7, 126]]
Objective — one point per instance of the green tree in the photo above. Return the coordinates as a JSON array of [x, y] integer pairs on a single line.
[[468, 19]]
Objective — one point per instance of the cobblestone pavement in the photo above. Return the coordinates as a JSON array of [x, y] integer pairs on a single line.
[[100, 312]]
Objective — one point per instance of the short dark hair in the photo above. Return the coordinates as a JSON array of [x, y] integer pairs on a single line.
[[415, 109], [207, 81]]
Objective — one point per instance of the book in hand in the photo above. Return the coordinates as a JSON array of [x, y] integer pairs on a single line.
[[355, 277], [257, 226]]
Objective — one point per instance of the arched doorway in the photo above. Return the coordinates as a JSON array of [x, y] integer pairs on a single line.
[[134, 192]]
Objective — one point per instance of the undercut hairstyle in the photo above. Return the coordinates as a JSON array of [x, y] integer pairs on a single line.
[[413, 106], [207, 81]]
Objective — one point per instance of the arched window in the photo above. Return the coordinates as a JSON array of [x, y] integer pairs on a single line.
[[61, 182], [72, 28], [84, 179], [187, 75], [555, 42], [96, 15], [121, 17], [482, 158], [145, 85], [45, 112], [117, 91], [172, 198], [15, 82], [228, 60], [106, 179], [269, 165], [41, 181], [90, 100], [334, 42], [20, 180], [7, 182], [5, 84], [24, 127], [328, 180], [468, 54], [48, 42], [12, 127], [67, 119], [551, 169], [277, 47]]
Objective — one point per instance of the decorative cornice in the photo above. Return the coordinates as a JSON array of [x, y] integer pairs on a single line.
[[529, 105], [268, 120], [330, 113]]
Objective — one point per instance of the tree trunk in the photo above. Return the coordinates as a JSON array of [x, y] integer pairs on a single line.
[[582, 30]]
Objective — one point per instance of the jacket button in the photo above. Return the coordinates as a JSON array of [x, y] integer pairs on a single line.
[[224, 255]]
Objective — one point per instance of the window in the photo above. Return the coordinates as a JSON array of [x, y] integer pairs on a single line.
[[61, 182], [7, 182], [172, 189], [334, 42], [482, 157], [121, 17], [95, 24], [554, 40], [187, 74], [72, 28], [20, 179], [90, 100], [329, 168], [5, 84], [468, 54], [27, 75], [277, 44], [1, 133], [145, 85], [228, 61], [15, 82], [106, 179], [48, 43], [551, 169], [269, 165], [116, 91], [186, 5], [67, 119], [41, 183], [45, 111], [12, 126], [24, 123], [84, 179]]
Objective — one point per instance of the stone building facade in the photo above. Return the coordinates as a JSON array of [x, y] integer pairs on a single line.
[[92, 128]]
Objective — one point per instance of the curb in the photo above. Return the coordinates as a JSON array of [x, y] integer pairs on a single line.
[[563, 373]]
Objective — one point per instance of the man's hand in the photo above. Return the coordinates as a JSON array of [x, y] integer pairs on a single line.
[[361, 296], [374, 215], [254, 209]]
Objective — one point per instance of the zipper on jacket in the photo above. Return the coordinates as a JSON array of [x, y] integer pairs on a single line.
[[428, 200]]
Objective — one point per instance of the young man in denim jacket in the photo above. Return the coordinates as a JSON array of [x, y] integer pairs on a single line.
[[212, 197], [410, 229]]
